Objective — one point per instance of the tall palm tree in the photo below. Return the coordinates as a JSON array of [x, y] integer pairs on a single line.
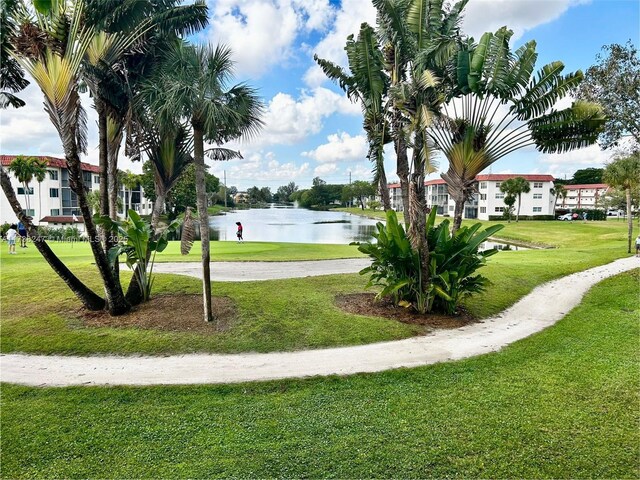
[[367, 84], [516, 187], [51, 50], [22, 169], [39, 174], [474, 134], [193, 83], [624, 174]]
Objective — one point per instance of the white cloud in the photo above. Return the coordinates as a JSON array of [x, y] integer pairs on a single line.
[[325, 169], [347, 21], [262, 33], [342, 147], [488, 15], [289, 120]]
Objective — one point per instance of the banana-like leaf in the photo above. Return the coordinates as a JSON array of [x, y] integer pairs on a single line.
[[188, 233]]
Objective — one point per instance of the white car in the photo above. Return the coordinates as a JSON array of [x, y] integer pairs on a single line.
[[567, 216]]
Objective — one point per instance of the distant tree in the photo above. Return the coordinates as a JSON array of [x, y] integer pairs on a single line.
[[558, 191], [614, 82], [265, 195], [515, 187], [509, 201], [624, 174], [26, 169], [587, 176], [284, 192], [359, 190], [254, 194]]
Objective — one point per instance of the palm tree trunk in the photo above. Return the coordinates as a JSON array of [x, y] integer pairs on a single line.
[[457, 214], [113, 150], [88, 297], [629, 217], [116, 302], [201, 195], [402, 170], [157, 209], [518, 212], [103, 154], [384, 190]]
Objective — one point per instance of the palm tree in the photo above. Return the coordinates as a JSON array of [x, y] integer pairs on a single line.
[[366, 84], [11, 75], [474, 134], [515, 187], [51, 50], [558, 191], [624, 174], [192, 83], [39, 173], [22, 169]]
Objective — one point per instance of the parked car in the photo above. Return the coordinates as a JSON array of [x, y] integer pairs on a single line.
[[567, 216]]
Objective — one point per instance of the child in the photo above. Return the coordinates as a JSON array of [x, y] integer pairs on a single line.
[[239, 232], [22, 232], [12, 233]]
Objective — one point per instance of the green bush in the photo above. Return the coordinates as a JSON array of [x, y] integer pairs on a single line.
[[453, 260]]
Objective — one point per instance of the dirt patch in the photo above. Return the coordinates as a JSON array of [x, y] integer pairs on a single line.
[[172, 313], [365, 304]]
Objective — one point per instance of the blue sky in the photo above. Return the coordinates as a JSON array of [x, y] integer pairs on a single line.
[[311, 128]]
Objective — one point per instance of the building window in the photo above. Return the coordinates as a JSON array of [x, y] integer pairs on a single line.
[[537, 196], [499, 209], [21, 191], [54, 192], [483, 196], [31, 212], [537, 184], [537, 209], [86, 179], [483, 209], [483, 185], [53, 174], [451, 207], [498, 184], [499, 196], [96, 179], [55, 212]]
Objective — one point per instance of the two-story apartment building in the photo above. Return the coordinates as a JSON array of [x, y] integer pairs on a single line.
[[583, 196], [52, 203], [489, 200]]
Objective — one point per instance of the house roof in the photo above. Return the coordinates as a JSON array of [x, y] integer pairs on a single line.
[[590, 186], [51, 162], [497, 177], [62, 219]]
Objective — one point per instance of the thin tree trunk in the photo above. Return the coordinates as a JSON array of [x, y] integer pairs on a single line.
[[402, 170], [116, 302], [457, 214], [518, 212], [103, 154], [201, 195], [88, 297], [384, 190], [629, 217], [113, 150], [157, 209]]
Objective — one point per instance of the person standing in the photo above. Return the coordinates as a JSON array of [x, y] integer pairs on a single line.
[[22, 231], [12, 233], [239, 232], [638, 245]]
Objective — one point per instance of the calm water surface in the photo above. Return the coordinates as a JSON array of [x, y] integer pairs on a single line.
[[281, 223]]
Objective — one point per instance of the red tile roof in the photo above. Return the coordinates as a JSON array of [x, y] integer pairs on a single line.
[[598, 186], [62, 219], [497, 177], [51, 162]]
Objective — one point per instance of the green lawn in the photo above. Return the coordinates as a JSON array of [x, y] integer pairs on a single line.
[[561, 404], [273, 315]]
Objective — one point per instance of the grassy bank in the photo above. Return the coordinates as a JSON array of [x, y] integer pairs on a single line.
[[561, 404], [272, 315]]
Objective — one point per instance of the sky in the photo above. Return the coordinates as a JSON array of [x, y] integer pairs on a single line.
[[311, 129]]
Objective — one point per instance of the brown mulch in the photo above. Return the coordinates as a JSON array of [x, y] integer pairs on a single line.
[[365, 304], [172, 313]]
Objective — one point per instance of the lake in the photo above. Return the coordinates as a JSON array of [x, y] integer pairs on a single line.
[[282, 223]]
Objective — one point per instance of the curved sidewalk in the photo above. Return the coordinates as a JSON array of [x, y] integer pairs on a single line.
[[544, 306]]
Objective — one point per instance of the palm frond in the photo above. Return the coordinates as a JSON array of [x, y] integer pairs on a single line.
[[188, 232]]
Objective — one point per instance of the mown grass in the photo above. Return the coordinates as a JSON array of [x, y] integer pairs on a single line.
[[560, 404], [273, 315]]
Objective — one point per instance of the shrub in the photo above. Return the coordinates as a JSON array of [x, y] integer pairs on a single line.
[[454, 259]]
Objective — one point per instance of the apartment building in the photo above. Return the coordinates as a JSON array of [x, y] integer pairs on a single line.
[[583, 196], [489, 200], [52, 203]]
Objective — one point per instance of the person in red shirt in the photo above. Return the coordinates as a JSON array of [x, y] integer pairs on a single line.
[[239, 232]]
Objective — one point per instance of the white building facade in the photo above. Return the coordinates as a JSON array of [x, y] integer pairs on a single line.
[[52, 203], [588, 196], [489, 200]]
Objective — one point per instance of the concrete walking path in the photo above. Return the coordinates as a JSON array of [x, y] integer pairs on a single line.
[[249, 271], [543, 307]]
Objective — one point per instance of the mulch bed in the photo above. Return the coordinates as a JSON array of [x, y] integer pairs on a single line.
[[365, 304], [171, 313]]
